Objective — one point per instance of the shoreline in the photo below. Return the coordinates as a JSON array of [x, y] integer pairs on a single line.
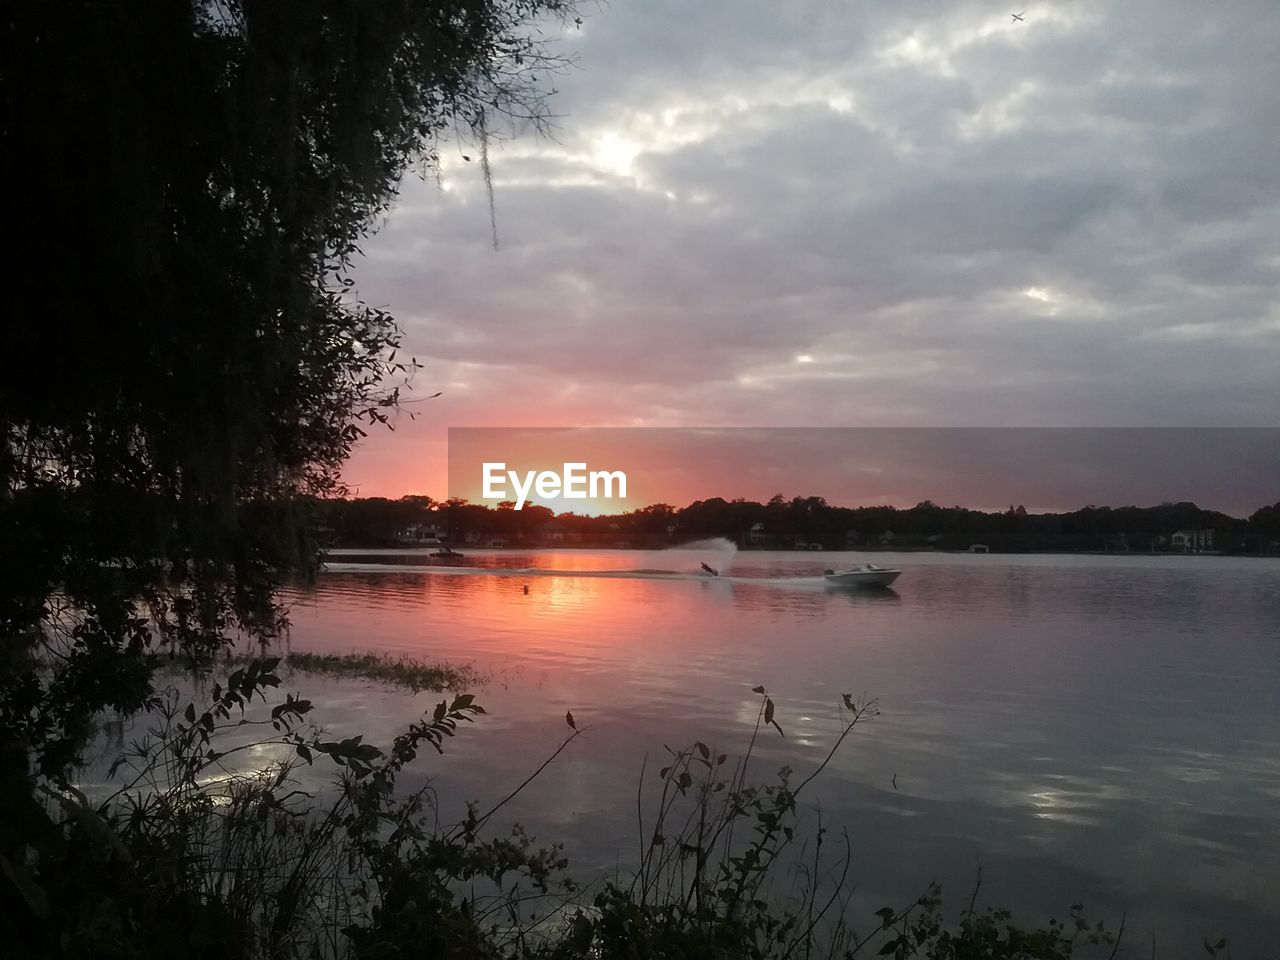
[[562, 547]]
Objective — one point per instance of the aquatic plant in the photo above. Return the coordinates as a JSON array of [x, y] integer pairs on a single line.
[[193, 855], [405, 672], [726, 871]]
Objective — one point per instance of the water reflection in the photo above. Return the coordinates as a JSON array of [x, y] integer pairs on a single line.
[[1104, 729]]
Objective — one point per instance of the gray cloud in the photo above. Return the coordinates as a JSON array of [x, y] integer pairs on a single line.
[[814, 213]]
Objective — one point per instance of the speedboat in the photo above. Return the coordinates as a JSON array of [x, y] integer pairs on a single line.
[[867, 575]]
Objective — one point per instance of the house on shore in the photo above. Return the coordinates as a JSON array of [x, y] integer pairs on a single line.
[[1191, 541], [761, 539], [424, 534], [552, 532]]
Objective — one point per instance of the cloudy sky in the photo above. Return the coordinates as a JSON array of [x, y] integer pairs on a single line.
[[838, 213]]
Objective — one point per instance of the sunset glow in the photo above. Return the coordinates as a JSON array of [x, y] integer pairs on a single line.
[[984, 469], [469, 466]]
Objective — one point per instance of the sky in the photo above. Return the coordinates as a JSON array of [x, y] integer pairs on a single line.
[[766, 213]]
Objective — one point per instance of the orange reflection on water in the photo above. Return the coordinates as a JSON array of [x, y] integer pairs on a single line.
[[1044, 699]]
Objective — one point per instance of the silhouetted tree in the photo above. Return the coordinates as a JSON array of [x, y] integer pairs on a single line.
[[189, 183]]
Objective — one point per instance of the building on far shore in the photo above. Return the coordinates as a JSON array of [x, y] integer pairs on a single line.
[[1191, 541], [423, 534], [552, 532], [762, 539]]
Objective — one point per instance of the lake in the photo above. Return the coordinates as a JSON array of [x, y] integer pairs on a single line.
[[1103, 729]]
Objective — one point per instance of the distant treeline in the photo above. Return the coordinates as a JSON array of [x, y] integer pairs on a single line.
[[805, 523]]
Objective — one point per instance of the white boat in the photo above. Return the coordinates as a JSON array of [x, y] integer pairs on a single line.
[[867, 575]]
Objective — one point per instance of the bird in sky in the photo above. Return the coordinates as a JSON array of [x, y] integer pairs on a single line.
[[1017, 17], [568, 718]]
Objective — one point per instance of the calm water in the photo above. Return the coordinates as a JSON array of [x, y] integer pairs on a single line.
[[1104, 729]]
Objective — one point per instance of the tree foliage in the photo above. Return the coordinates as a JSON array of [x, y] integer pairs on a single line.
[[191, 184], [782, 524]]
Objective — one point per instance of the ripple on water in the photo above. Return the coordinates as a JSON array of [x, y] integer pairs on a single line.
[[1103, 728]]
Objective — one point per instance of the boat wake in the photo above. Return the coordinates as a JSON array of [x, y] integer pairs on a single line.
[[705, 561], [702, 555], [540, 572]]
